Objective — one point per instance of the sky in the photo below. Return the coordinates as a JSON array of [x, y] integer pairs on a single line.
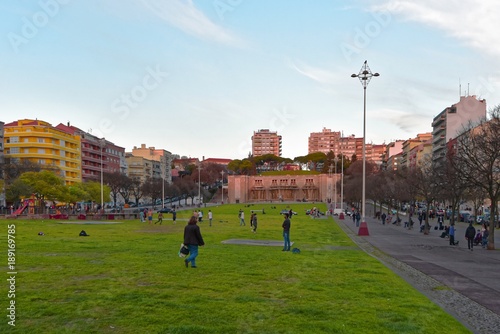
[[197, 78]]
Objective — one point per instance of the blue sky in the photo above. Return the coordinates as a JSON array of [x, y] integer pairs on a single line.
[[198, 77]]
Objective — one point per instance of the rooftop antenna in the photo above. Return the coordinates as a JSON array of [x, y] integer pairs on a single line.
[[468, 89]]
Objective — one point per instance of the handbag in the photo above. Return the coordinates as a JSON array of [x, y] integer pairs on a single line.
[[183, 251]]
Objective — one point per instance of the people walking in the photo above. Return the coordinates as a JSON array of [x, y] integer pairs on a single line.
[[254, 223], [174, 216], [470, 233], [160, 218], [192, 239], [242, 218], [141, 215], [286, 233], [210, 217]]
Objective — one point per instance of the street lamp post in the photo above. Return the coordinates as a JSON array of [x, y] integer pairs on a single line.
[[199, 184], [330, 181], [222, 186], [342, 184], [364, 76], [335, 183]]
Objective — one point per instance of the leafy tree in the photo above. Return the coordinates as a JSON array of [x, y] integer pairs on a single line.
[[17, 190], [45, 184]]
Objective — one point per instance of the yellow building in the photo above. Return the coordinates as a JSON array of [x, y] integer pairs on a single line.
[[41, 143]]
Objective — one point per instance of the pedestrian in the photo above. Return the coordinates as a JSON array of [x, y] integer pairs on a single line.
[[440, 221], [200, 216], [242, 218], [160, 218], [192, 239], [251, 220], [141, 215], [485, 234], [286, 233], [150, 216], [470, 233], [383, 217], [358, 218], [290, 214], [451, 234], [210, 217], [254, 223], [174, 216]]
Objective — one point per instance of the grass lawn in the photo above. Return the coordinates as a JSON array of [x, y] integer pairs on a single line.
[[128, 278]]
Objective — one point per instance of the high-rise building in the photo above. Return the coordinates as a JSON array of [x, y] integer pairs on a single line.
[[452, 120], [325, 141], [266, 142], [40, 142]]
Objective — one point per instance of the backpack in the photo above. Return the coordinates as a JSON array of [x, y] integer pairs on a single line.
[[83, 234]]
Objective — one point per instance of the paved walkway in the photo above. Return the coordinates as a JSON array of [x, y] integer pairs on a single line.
[[473, 274]]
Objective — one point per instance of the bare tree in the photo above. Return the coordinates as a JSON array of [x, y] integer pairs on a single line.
[[478, 149], [425, 181]]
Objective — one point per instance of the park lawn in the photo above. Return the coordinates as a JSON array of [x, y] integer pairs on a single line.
[[128, 278]]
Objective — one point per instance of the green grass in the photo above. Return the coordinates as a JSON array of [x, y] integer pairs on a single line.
[[128, 278]]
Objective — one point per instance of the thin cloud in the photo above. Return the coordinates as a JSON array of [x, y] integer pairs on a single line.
[[185, 16], [472, 22], [314, 73]]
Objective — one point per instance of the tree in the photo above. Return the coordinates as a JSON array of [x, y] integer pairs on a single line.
[[45, 184], [426, 183], [114, 182], [478, 149], [136, 189], [17, 190]]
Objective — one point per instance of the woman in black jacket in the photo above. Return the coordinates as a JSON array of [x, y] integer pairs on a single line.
[[192, 239]]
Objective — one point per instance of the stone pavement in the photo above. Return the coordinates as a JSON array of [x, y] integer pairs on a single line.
[[473, 274]]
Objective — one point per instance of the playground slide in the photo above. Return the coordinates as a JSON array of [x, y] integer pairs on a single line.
[[21, 209]]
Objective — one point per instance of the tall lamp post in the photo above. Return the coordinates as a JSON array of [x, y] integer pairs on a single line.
[[342, 184], [335, 183], [364, 76], [199, 184], [222, 186]]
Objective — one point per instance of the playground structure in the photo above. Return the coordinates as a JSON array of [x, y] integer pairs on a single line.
[[28, 203]]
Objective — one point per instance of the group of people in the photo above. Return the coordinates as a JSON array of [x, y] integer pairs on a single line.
[[193, 238]]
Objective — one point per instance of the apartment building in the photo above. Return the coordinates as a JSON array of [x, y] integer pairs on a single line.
[[2, 189], [409, 145], [98, 154], [266, 142], [41, 143], [451, 121], [157, 162]]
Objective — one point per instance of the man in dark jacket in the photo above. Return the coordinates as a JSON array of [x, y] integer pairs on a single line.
[[286, 233], [470, 233], [192, 239]]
